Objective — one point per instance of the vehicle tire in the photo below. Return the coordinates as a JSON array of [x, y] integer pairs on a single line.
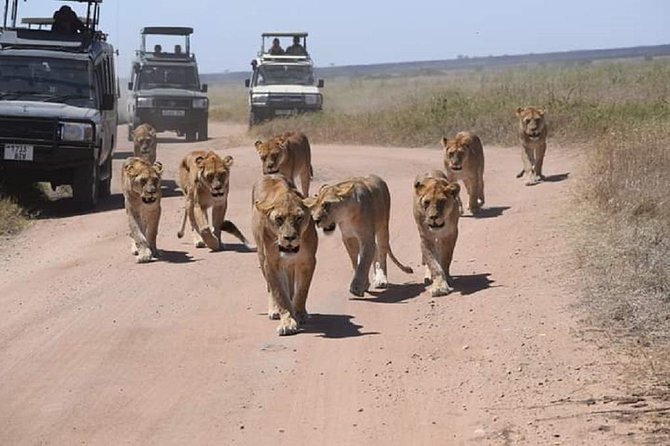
[[253, 119], [130, 132], [191, 134], [105, 188], [202, 131], [85, 186]]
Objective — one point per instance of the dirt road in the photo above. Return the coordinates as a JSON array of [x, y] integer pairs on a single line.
[[96, 349]]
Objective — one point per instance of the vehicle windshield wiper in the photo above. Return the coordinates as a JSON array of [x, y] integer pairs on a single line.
[[65, 97], [18, 94]]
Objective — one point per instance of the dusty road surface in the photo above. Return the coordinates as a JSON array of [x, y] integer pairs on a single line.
[[96, 349]]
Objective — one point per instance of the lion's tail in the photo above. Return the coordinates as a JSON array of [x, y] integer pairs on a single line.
[[403, 268], [229, 227]]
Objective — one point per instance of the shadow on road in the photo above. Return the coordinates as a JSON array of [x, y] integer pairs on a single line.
[[489, 212], [472, 283], [557, 178], [394, 293], [334, 326], [175, 256]]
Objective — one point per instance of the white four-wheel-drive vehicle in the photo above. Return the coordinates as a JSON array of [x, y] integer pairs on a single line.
[[282, 81]]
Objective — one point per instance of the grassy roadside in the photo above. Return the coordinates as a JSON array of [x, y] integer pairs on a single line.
[[12, 217]]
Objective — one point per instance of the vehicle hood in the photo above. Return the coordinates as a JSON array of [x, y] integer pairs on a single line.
[[54, 110], [296, 89], [170, 92]]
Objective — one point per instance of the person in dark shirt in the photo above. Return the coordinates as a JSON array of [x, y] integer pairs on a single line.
[[276, 49], [296, 49], [67, 22]]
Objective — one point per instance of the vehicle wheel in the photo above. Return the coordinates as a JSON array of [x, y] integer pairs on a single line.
[[190, 135], [254, 119], [106, 184], [85, 186], [130, 132], [202, 131]]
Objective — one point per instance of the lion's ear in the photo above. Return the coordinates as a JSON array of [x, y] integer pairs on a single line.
[[345, 190], [129, 165], [444, 141], [310, 202], [541, 111], [258, 145], [152, 132], [158, 167], [453, 189], [283, 145], [262, 206], [228, 161], [519, 110], [200, 161]]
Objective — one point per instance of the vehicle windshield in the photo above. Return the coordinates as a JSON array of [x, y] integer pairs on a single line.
[[160, 76], [285, 75], [46, 79]]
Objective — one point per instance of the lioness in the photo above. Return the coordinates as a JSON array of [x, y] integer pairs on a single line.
[[204, 178], [533, 137], [289, 154], [464, 160], [286, 241], [144, 142], [361, 207], [141, 183], [436, 212]]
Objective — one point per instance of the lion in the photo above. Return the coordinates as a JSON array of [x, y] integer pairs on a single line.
[[289, 154], [286, 243], [464, 160], [141, 183], [436, 210], [533, 137], [204, 179], [361, 208], [144, 142]]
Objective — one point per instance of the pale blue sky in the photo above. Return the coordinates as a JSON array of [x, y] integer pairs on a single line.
[[344, 32]]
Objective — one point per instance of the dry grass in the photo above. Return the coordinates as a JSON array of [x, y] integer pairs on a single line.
[[12, 217]]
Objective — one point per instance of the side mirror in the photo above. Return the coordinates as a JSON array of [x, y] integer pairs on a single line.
[[130, 86], [247, 82], [204, 88], [320, 83], [108, 102]]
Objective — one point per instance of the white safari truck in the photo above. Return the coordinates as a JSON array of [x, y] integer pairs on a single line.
[[282, 80]]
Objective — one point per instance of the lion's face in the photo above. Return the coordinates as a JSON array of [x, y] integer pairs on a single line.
[[287, 220], [327, 204], [456, 151], [145, 179], [144, 138], [531, 120], [438, 202], [272, 154], [214, 173]]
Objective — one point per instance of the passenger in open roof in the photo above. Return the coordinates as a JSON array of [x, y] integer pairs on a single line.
[[158, 50], [296, 49], [276, 49], [67, 22], [177, 50]]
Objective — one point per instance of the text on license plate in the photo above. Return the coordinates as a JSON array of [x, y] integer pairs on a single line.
[[19, 152], [174, 113]]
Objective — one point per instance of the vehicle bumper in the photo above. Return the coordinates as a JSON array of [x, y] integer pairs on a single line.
[[49, 163], [278, 110], [164, 119]]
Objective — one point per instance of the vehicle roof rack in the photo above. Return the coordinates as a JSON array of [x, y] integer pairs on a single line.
[[168, 30], [91, 21], [285, 34]]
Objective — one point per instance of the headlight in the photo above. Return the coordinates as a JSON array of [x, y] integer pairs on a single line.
[[313, 99], [259, 98], [200, 103], [76, 131], [145, 102]]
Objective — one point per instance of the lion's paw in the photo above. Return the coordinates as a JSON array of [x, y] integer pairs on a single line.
[[287, 327], [199, 244], [437, 291], [358, 289], [273, 315], [144, 256]]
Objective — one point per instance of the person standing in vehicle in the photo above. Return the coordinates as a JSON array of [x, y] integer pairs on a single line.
[[67, 22], [276, 49], [296, 49]]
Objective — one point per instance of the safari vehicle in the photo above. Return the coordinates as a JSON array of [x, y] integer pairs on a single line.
[[282, 84], [58, 103], [165, 89]]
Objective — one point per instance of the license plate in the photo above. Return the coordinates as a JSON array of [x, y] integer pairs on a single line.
[[284, 112], [19, 152], [174, 113]]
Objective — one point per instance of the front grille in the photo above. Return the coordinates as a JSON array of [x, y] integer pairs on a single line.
[[288, 99], [172, 102], [28, 129]]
